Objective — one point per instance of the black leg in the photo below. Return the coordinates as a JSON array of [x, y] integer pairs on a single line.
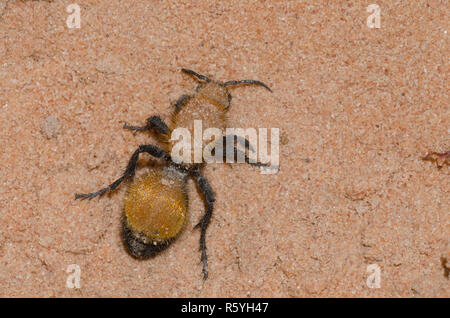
[[206, 190], [243, 141], [231, 83], [181, 101], [238, 153], [129, 171], [153, 123], [196, 75]]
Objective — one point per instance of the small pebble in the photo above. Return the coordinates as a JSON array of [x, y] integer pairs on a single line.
[[51, 127]]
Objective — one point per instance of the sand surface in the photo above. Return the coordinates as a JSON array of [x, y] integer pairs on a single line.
[[357, 109]]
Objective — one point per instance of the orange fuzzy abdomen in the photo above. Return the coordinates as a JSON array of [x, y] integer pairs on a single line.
[[156, 206]]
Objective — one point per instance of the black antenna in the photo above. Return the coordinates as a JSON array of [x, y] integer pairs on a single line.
[[230, 83], [198, 76]]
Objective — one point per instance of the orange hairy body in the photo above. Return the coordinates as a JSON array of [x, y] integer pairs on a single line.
[[155, 206], [209, 105]]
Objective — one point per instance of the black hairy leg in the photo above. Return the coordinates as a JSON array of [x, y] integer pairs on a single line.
[[152, 123], [207, 192], [181, 101], [129, 171], [237, 153]]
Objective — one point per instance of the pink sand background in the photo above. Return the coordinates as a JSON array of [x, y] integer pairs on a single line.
[[357, 109]]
